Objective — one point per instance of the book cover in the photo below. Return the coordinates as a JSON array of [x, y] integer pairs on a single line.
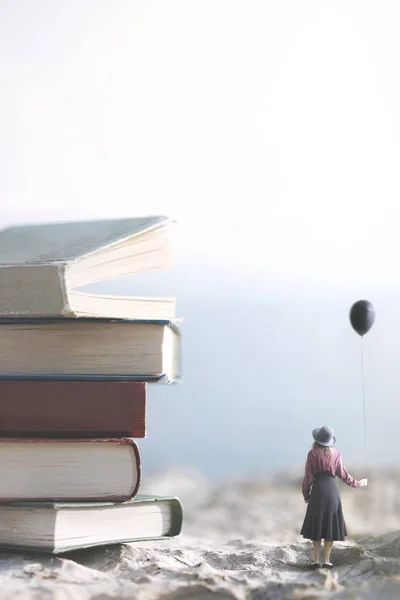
[[43, 267], [84, 409]]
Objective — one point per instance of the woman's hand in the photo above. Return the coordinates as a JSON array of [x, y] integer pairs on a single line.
[[363, 482]]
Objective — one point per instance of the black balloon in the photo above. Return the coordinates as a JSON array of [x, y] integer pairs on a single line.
[[362, 316]]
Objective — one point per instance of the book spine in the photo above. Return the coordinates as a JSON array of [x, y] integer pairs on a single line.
[[32, 290], [176, 517]]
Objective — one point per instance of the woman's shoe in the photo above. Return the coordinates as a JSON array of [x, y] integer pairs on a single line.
[[315, 565], [327, 566]]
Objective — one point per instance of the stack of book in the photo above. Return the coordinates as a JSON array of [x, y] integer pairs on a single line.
[[74, 370]]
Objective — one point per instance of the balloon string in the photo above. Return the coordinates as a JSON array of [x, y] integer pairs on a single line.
[[363, 393]]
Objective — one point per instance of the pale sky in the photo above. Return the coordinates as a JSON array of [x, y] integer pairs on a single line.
[[270, 129]]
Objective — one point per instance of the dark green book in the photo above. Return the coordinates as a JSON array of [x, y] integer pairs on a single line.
[[62, 527]]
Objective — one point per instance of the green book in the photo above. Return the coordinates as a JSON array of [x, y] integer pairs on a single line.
[[62, 527]]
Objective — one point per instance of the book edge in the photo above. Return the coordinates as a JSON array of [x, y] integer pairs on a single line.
[[164, 378], [56, 551], [162, 220], [138, 499]]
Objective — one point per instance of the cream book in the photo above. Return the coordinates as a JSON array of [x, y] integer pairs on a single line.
[[64, 527], [90, 349], [69, 470], [43, 267]]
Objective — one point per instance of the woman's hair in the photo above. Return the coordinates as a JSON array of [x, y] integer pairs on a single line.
[[326, 449]]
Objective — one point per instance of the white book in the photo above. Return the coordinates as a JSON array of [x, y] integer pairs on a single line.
[[43, 267]]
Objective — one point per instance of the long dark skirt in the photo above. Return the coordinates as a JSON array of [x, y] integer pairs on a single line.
[[324, 517]]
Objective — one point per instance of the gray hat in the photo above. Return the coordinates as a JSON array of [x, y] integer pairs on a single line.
[[324, 436]]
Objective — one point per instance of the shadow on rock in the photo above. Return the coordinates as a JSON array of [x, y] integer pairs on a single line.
[[199, 592]]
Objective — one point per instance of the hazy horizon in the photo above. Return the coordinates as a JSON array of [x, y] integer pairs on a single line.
[[262, 366]]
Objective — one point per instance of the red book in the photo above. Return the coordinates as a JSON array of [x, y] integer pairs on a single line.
[[48, 408], [69, 470]]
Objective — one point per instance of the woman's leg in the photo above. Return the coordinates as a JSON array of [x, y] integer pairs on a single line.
[[316, 550], [327, 551]]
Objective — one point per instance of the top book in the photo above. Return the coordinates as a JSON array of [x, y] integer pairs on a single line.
[[43, 266]]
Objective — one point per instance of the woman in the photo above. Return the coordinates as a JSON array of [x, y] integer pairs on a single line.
[[324, 516]]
